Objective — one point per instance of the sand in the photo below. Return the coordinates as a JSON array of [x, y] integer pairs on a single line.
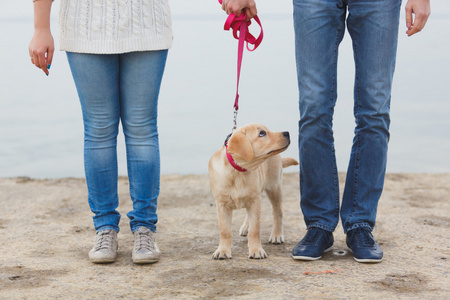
[[46, 232]]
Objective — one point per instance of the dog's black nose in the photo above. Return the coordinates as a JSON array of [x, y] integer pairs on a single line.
[[286, 134]]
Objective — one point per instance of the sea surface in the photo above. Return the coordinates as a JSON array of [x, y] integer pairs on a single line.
[[41, 130]]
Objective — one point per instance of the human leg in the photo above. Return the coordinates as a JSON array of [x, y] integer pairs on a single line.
[[140, 78], [96, 79], [319, 28], [373, 27]]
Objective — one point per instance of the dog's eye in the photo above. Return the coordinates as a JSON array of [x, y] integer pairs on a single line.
[[262, 133]]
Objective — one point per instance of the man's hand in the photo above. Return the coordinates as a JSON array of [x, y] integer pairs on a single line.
[[237, 6], [421, 10]]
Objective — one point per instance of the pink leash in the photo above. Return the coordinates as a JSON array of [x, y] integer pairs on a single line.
[[240, 24]]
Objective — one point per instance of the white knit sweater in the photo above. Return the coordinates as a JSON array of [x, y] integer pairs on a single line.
[[114, 26]]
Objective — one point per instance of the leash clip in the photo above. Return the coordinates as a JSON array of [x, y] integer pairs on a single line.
[[234, 121]]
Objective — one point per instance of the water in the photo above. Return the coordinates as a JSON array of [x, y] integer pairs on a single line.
[[40, 118]]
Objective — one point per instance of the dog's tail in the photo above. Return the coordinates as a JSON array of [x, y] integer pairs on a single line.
[[288, 161]]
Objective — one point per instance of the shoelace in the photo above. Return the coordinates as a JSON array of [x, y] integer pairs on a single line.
[[144, 241], [104, 241], [364, 237]]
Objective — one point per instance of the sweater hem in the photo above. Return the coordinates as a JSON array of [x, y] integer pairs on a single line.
[[115, 47]]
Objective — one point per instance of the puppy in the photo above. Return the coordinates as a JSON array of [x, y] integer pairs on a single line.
[[248, 164]]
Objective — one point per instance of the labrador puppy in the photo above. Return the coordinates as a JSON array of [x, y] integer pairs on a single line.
[[248, 164]]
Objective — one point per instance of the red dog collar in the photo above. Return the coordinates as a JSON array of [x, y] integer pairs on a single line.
[[233, 163], [230, 158]]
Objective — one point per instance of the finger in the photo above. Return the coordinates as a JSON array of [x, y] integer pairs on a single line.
[[35, 60], [415, 28], [409, 17], [226, 8], [419, 23], [421, 20], [43, 63], [253, 11], [32, 59], [50, 53], [30, 53], [248, 14], [233, 8], [237, 13]]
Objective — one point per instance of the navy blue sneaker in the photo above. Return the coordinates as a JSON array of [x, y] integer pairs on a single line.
[[316, 242], [361, 242]]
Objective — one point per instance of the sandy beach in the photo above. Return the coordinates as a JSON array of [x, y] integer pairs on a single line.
[[46, 232]]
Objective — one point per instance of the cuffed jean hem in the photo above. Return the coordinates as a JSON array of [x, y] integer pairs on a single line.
[[136, 227], [358, 225], [116, 229], [326, 228]]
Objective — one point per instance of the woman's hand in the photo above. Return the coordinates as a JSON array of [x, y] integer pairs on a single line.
[[42, 46], [41, 49]]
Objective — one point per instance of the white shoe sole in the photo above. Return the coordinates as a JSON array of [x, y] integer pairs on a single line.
[[102, 260], [145, 261], [365, 260], [368, 260], [309, 258]]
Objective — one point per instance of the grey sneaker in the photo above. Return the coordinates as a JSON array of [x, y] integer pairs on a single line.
[[105, 248], [145, 249]]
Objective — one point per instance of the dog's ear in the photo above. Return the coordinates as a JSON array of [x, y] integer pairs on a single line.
[[240, 147]]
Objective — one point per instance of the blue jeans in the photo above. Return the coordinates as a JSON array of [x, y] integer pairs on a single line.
[[113, 88], [319, 28]]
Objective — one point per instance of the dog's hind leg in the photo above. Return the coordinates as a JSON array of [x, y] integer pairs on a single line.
[[243, 231], [275, 195], [225, 219]]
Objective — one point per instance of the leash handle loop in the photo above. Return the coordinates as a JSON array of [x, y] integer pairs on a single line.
[[235, 23]]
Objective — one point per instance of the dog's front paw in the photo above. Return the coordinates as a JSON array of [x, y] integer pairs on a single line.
[[244, 229], [257, 253], [276, 239], [222, 254]]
